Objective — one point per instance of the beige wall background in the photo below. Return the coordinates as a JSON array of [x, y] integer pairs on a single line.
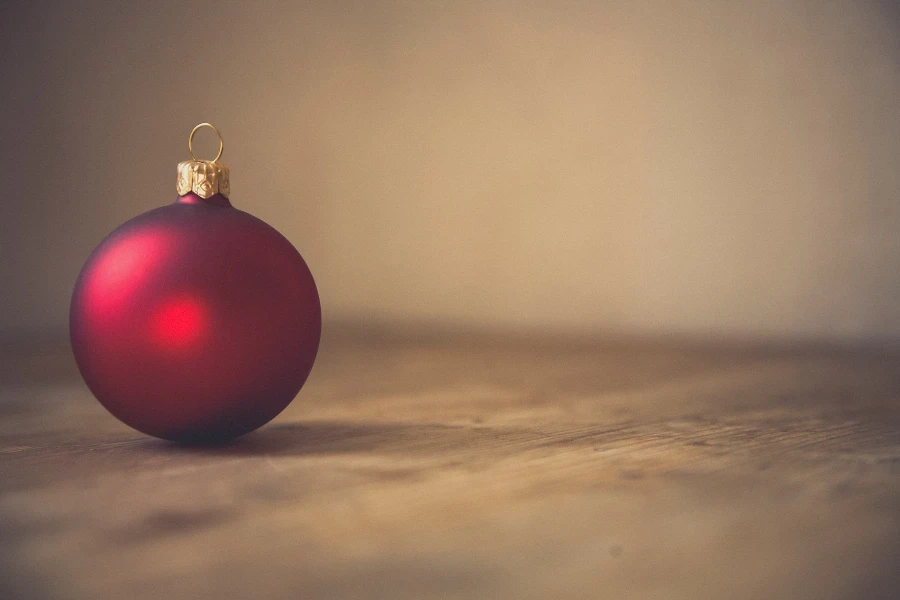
[[653, 166]]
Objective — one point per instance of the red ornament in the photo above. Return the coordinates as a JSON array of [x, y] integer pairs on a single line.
[[195, 321]]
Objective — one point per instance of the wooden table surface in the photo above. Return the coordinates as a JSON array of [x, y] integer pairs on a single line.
[[436, 465]]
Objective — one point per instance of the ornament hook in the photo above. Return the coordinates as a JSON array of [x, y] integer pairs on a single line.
[[191, 141]]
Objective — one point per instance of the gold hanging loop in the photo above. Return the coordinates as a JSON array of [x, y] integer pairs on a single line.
[[191, 141]]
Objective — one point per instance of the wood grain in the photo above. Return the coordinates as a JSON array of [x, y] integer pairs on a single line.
[[432, 464]]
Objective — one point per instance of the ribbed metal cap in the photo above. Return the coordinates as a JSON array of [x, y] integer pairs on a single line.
[[205, 178]]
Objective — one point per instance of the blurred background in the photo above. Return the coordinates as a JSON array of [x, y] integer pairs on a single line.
[[705, 167]]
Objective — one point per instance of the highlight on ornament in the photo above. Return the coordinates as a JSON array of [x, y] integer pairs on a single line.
[[195, 321]]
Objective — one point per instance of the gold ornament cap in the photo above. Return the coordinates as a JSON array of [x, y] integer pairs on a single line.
[[205, 178]]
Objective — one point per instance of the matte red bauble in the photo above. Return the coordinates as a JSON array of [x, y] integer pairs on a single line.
[[195, 321]]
